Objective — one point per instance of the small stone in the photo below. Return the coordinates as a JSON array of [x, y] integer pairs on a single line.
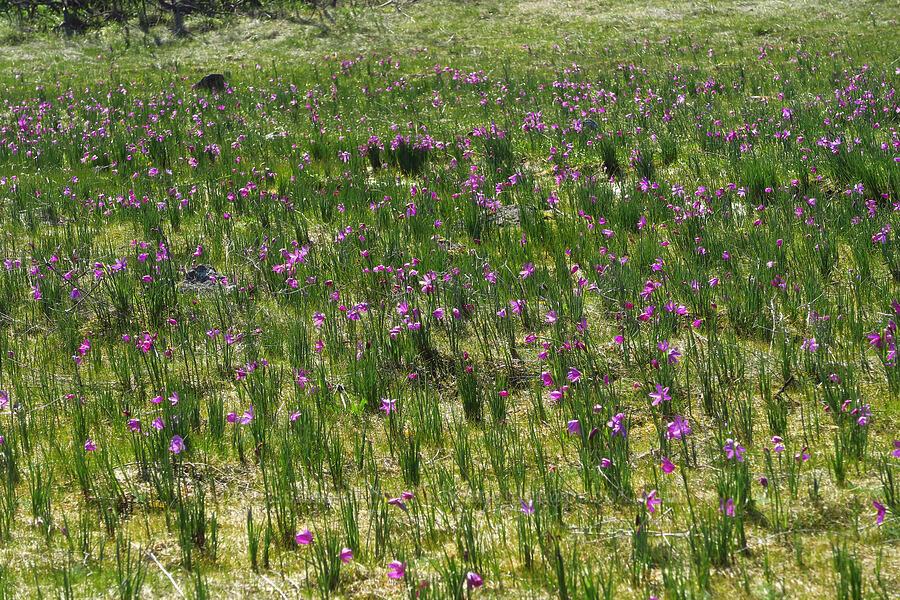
[[201, 274], [214, 82]]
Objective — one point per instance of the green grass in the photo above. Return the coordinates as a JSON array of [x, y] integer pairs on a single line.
[[107, 153]]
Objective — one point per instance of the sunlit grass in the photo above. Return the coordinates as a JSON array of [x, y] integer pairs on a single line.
[[514, 300]]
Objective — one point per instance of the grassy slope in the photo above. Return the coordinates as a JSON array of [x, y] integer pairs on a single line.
[[491, 39]]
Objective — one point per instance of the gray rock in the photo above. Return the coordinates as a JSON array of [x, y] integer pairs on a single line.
[[201, 274], [203, 279], [214, 82]]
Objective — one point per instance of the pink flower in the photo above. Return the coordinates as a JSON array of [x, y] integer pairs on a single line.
[[881, 512], [896, 452], [528, 507], [399, 503], [573, 427], [574, 375], [678, 427], [304, 537], [667, 465], [473, 580], [652, 502], [346, 555], [727, 506], [661, 395], [616, 423], [90, 446], [396, 569], [388, 405], [810, 345], [733, 450], [177, 445]]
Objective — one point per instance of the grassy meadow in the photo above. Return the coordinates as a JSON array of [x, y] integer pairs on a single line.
[[454, 300]]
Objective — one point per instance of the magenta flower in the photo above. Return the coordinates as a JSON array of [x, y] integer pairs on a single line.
[[678, 427], [734, 451], [573, 427], [399, 503], [134, 425], [304, 537], [896, 452], [605, 463], [177, 445], [672, 352], [527, 270], [574, 375], [617, 424], [346, 555], [881, 512], [874, 339], [90, 446], [652, 502], [75, 294], [661, 395], [247, 416], [388, 405], [4, 398], [528, 507], [473, 580], [302, 379], [667, 465], [396, 569], [727, 506]]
